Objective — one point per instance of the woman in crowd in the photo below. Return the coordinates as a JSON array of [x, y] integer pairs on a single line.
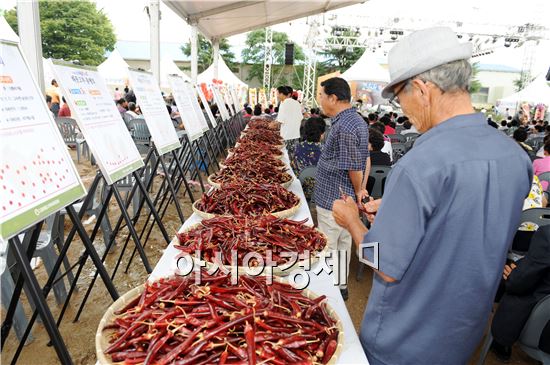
[[542, 165], [307, 152], [377, 157]]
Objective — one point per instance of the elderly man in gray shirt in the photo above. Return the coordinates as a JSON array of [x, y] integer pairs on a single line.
[[450, 208]]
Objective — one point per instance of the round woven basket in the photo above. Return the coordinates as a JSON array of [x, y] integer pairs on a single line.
[[282, 214], [277, 271], [229, 154], [216, 185], [279, 146], [102, 339]]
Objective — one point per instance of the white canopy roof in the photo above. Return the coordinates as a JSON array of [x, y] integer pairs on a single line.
[[219, 19], [224, 74], [114, 69], [367, 69], [168, 67], [536, 92], [6, 32]]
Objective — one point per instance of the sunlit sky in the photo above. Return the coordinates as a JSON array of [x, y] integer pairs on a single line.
[[131, 22]]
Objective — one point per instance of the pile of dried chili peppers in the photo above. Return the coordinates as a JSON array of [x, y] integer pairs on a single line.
[[175, 321], [238, 198], [254, 159], [248, 145], [262, 135], [243, 234], [251, 173], [258, 123]]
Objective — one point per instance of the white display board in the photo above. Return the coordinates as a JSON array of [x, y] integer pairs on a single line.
[[192, 91], [207, 107], [184, 101], [236, 103], [220, 102], [37, 174], [154, 110], [99, 120]]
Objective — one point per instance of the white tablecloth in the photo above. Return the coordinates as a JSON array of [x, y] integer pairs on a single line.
[[352, 352]]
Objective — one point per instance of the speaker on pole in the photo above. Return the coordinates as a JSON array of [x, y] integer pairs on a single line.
[[289, 53]]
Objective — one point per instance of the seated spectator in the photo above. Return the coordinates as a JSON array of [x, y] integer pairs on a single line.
[[408, 128], [247, 112], [503, 126], [376, 143], [387, 142], [122, 105], [373, 118], [132, 110], [64, 111], [271, 110], [526, 282], [307, 152], [388, 129], [258, 110], [542, 165], [267, 111], [491, 122], [520, 136], [401, 120]]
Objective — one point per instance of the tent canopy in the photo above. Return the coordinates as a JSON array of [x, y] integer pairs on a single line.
[[168, 67], [536, 92], [367, 69], [114, 69], [219, 19], [224, 74]]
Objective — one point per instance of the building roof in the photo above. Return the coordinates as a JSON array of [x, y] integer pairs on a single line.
[[497, 68], [139, 50]]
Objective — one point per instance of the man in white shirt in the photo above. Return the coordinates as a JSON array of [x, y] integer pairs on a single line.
[[290, 115]]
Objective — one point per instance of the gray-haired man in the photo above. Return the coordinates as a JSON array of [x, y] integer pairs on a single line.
[[447, 218]]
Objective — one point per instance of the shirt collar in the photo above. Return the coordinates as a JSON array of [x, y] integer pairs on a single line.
[[456, 122], [343, 113]]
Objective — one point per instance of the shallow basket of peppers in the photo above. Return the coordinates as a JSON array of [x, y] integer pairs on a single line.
[[221, 240], [247, 198], [175, 321], [251, 173]]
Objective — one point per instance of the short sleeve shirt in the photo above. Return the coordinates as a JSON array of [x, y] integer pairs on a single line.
[[346, 149], [450, 208]]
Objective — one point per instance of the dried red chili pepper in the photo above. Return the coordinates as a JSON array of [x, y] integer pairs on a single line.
[[259, 235], [226, 336], [249, 198]]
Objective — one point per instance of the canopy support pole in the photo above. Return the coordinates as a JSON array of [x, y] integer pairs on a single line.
[[154, 43], [194, 56], [30, 37], [216, 56]]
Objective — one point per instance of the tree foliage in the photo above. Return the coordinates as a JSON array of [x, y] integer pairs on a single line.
[[342, 58], [475, 85], [254, 54], [72, 30], [205, 53]]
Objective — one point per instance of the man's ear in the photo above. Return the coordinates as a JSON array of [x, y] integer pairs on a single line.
[[423, 90]]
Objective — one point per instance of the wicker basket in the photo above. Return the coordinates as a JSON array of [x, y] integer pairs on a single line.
[[282, 214], [277, 271], [216, 185], [102, 340]]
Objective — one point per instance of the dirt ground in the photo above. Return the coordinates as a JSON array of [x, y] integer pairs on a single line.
[[80, 336]]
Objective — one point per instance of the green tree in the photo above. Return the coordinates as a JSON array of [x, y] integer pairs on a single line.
[[72, 30], [205, 53], [475, 85], [339, 58], [520, 84], [254, 54]]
